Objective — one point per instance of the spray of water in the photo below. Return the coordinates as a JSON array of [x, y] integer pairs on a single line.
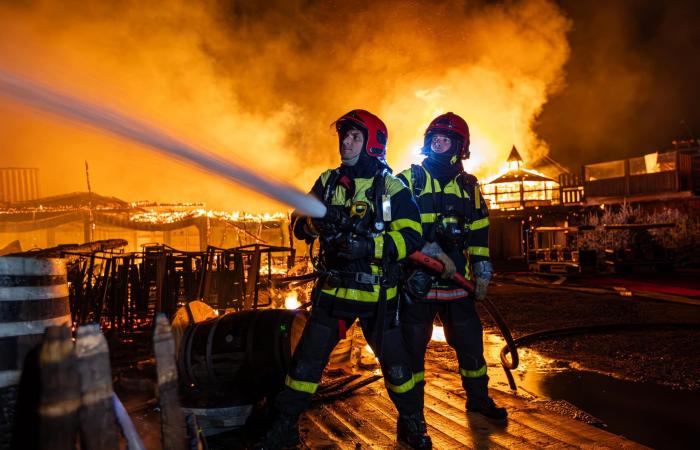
[[45, 99]]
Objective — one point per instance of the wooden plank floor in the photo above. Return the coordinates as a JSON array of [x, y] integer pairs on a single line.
[[367, 419]]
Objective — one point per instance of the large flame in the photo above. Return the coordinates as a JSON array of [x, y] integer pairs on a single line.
[[262, 82]]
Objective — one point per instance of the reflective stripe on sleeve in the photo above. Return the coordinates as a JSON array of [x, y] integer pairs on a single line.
[[428, 217], [399, 243], [478, 251], [398, 224], [378, 246], [479, 224]]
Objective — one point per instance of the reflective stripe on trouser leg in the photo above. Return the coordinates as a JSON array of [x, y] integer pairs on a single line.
[[396, 367], [464, 333], [468, 373], [417, 327], [310, 357]]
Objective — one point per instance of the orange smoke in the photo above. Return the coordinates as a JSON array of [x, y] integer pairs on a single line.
[[261, 83]]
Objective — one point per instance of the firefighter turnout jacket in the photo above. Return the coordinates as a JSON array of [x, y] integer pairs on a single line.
[[453, 214], [387, 206]]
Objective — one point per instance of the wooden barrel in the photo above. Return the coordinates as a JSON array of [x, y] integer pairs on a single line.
[[33, 295], [242, 355]]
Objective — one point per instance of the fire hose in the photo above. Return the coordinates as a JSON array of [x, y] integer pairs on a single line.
[[437, 266]]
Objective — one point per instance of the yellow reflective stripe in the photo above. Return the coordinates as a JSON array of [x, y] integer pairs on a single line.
[[418, 377], [399, 224], [479, 251], [393, 185], [428, 217], [409, 179], [378, 246], [324, 177], [473, 373], [479, 224], [301, 386], [402, 388], [399, 243], [360, 295], [453, 188]]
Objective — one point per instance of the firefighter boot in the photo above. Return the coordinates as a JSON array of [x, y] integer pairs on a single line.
[[478, 399], [284, 433], [412, 430]]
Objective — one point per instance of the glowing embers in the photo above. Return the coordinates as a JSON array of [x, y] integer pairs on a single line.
[[172, 216]]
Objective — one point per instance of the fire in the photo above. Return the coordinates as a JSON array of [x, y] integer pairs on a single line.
[[291, 300], [261, 98], [438, 334], [156, 216]]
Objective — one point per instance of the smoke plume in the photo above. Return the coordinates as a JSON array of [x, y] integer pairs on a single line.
[[261, 82]]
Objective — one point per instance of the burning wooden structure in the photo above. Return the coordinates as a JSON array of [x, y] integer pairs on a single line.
[[518, 187], [85, 217]]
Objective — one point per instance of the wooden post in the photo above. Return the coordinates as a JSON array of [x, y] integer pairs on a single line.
[[98, 423], [161, 260], [172, 425], [60, 391], [252, 279]]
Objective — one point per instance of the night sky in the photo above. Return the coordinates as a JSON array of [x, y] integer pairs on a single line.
[[632, 78]]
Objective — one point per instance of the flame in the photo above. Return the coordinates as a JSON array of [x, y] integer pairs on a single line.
[[159, 216], [255, 86], [291, 300], [438, 334]]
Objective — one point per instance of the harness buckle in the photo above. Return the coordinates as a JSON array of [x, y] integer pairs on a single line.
[[366, 278]]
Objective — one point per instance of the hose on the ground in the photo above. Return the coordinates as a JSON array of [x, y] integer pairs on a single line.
[[586, 329]]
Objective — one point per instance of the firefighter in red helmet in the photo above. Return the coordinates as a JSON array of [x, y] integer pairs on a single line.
[[455, 229], [372, 222]]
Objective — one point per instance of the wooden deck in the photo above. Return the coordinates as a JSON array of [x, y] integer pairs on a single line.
[[367, 419]]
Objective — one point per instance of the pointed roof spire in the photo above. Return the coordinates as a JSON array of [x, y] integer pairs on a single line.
[[514, 155]]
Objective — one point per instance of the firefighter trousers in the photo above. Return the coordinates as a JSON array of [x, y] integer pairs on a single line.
[[463, 332], [318, 339]]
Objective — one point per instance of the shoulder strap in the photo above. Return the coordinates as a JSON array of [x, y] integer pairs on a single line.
[[417, 179], [378, 191], [330, 186], [471, 184]]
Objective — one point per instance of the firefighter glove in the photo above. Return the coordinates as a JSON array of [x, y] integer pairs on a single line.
[[433, 250], [483, 271], [351, 246], [480, 288], [334, 221]]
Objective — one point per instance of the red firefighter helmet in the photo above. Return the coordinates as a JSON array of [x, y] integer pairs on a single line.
[[453, 126], [373, 128]]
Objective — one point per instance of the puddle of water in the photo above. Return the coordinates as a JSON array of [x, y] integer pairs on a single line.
[[647, 413]]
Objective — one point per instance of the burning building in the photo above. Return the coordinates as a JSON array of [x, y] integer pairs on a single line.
[[84, 217], [518, 187]]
